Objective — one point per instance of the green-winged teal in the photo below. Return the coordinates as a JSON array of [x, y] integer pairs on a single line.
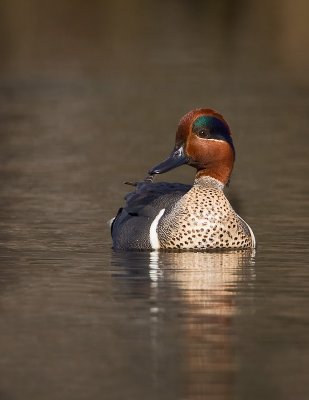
[[176, 216]]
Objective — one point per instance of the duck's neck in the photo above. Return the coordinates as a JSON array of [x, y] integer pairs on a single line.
[[221, 173], [206, 180]]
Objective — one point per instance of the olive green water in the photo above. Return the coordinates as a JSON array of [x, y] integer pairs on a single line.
[[90, 96]]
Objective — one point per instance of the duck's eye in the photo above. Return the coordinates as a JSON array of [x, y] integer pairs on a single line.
[[204, 133]]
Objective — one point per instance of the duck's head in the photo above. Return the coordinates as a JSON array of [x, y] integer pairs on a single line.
[[203, 140]]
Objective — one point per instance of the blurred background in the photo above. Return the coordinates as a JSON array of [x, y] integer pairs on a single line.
[[71, 40], [90, 96]]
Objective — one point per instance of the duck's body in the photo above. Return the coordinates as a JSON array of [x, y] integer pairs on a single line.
[[175, 216]]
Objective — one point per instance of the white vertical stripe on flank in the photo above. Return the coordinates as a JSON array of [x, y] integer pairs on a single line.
[[251, 232], [110, 222], [153, 235], [252, 237]]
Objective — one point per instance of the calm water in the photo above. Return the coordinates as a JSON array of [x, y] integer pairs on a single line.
[[89, 98]]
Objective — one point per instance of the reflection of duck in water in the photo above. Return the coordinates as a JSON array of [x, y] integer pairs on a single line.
[[176, 216], [204, 275], [192, 298]]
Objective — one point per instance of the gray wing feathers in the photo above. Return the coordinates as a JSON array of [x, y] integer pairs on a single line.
[[130, 229]]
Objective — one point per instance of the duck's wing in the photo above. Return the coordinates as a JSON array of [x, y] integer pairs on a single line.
[[154, 195], [133, 221]]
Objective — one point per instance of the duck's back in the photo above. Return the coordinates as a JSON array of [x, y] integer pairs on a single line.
[[132, 227]]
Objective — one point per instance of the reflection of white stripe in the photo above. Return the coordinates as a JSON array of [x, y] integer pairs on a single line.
[[154, 267], [153, 235]]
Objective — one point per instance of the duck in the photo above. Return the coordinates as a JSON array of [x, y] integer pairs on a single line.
[[176, 216]]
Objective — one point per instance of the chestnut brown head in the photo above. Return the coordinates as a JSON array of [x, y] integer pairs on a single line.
[[204, 141]]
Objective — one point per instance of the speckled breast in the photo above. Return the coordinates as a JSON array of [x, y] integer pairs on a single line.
[[204, 219]]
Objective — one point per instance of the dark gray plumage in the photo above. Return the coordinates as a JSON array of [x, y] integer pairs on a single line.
[[130, 228]]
